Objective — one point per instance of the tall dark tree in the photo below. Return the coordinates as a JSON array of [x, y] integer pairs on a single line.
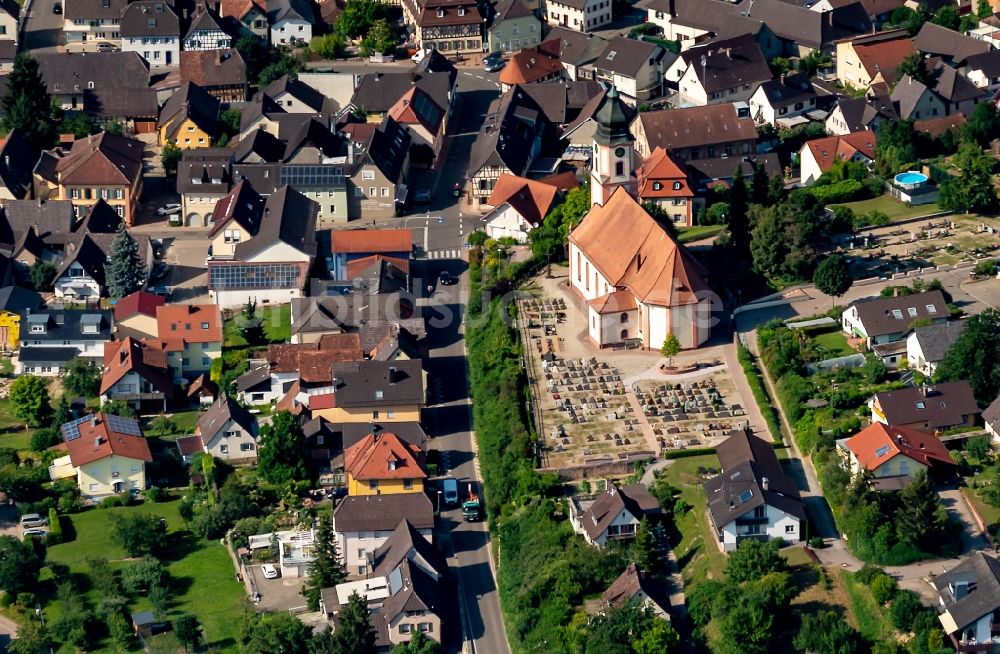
[[419, 644], [739, 206], [31, 639], [19, 565], [920, 519], [833, 276], [973, 189], [753, 559], [975, 356], [188, 632], [355, 632], [326, 569], [282, 453], [251, 324], [124, 271], [28, 104], [29, 400], [42, 274], [759, 185], [984, 124], [274, 633]]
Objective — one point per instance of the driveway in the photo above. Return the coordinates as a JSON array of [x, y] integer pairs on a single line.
[[279, 594]]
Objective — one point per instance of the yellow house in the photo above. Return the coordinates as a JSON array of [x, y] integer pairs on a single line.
[[14, 301], [189, 118], [192, 334], [367, 391], [107, 454], [135, 314], [384, 464], [236, 219]]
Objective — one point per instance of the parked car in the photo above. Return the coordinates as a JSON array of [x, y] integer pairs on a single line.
[[157, 248], [159, 270], [57, 8], [104, 46], [493, 65], [165, 291], [168, 209], [270, 572], [29, 520], [37, 532], [422, 196], [445, 278]]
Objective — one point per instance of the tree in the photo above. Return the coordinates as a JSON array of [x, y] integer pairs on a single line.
[[979, 448], [42, 274], [746, 629], [138, 533], [784, 238], [29, 399], [118, 408], [325, 569], [947, 16], [883, 588], [418, 644], [983, 9], [874, 368], [79, 125], [124, 271], [120, 633], [827, 633], [31, 639], [896, 147], [659, 638], [920, 519], [282, 453], [912, 65], [650, 549], [906, 606], [19, 566], [188, 632], [671, 346], [739, 205], [28, 104], [973, 189], [170, 157], [283, 64], [833, 276], [359, 16], [115, 127], [753, 559], [984, 124], [660, 215], [354, 632], [251, 325], [328, 46], [275, 632], [81, 378], [975, 356], [380, 38]]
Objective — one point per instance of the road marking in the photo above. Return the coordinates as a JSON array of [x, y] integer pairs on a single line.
[[444, 254]]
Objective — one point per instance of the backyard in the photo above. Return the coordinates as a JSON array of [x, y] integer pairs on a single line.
[[892, 208], [202, 579], [276, 320], [698, 232]]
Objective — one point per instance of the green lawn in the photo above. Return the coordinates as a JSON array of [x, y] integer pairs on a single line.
[[697, 552], [990, 513], [871, 621], [12, 431], [202, 577], [834, 342], [182, 423], [277, 323], [890, 207], [698, 232]]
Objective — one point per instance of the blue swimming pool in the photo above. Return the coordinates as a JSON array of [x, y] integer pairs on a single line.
[[910, 179]]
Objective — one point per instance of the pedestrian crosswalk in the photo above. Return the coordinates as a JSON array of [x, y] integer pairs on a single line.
[[444, 254]]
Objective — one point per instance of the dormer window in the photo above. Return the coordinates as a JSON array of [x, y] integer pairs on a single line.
[[151, 22], [677, 186], [657, 186], [461, 11], [440, 13], [378, 395]]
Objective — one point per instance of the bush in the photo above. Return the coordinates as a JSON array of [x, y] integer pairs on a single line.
[[868, 573], [883, 588], [45, 438], [816, 543], [905, 609], [112, 501], [986, 268], [156, 494], [842, 191], [54, 536]]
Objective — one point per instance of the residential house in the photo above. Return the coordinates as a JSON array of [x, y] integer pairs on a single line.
[[425, 120], [872, 58], [206, 31], [935, 128], [930, 409], [803, 31], [100, 167], [89, 22], [915, 100], [695, 132], [983, 70], [295, 549], [451, 27], [722, 71], [364, 523], [202, 390], [15, 171], [190, 118], [634, 68], [10, 16], [752, 498], [347, 247], [690, 21], [576, 50], [294, 96], [136, 372], [612, 515], [536, 64], [818, 155], [249, 14], [191, 335], [663, 182], [958, 94], [384, 464], [704, 175], [81, 274], [638, 282], [937, 41], [222, 73], [520, 204], [635, 585], [514, 26], [50, 338], [969, 602], [563, 102], [370, 316], [365, 391], [783, 102], [580, 15], [860, 114], [288, 364], [893, 456], [880, 11], [991, 419], [229, 432], [135, 314], [926, 346], [14, 301], [270, 261], [377, 93], [152, 29], [886, 320], [107, 455], [291, 21], [508, 142], [255, 387], [204, 177], [381, 162]]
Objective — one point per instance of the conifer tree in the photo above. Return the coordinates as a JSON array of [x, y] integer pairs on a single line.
[[124, 272]]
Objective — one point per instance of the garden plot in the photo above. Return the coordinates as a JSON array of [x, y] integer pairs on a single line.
[[688, 415]]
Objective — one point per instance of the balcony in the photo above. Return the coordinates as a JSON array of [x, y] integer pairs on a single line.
[[751, 521]]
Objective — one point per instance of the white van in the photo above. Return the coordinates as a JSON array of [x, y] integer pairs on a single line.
[[450, 487]]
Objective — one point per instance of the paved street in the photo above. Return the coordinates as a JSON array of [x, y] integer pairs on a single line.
[[43, 28]]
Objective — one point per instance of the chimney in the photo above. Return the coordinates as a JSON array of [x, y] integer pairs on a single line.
[[925, 390], [765, 483], [93, 420], [97, 442], [895, 291]]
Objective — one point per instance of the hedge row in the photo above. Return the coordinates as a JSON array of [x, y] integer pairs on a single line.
[[756, 381]]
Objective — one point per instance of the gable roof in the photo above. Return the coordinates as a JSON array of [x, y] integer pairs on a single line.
[[827, 150], [219, 414], [205, 170], [507, 134], [299, 90], [940, 406], [99, 436], [131, 355], [788, 90], [935, 127], [371, 241], [416, 107], [66, 324], [629, 584], [149, 18], [626, 57], [659, 166], [289, 217], [696, 126], [407, 544], [936, 340], [894, 315], [878, 443], [527, 197], [372, 383], [727, 63], [190, 102], [950, 84], [101, 160], [211, 68], [377, 92], [751, 476], [991, 416], [883, 52], [937, 40], [140, 302], [636, 499], [809, 28], [189, 323], [980, 574], [411, 432], [987, 62], [383, 512], [279, 10], [576, 48], [531, 65], [67, 72], [384, 456], [511, 9], [633, 251], [15, 299], [242, 205]]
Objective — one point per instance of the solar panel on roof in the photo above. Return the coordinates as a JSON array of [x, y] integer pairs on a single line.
[[71, 430], [123, 425]]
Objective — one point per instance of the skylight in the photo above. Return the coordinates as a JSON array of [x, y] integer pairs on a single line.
[[931, 308], [745, 496], [896, 313], [882, 451], [920, 405], [912, 311], [611, 55]]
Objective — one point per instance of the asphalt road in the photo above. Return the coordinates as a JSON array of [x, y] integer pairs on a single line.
[[43, 29]]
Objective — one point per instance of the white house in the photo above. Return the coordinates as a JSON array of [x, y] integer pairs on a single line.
[[752, 497], [229, 432], [152, 29], [613, 515], [295, 549], [926, 346], [886, 320], [983, 70], [81, 276], [291, 21], [136, 372], [363, 524], [781, 99], [520, 205], [991, 418], [50, 339], [580, 15], [638, 282], [969, 599], [724, 71]]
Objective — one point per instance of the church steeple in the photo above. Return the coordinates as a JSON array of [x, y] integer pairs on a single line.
[[612, 156]]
